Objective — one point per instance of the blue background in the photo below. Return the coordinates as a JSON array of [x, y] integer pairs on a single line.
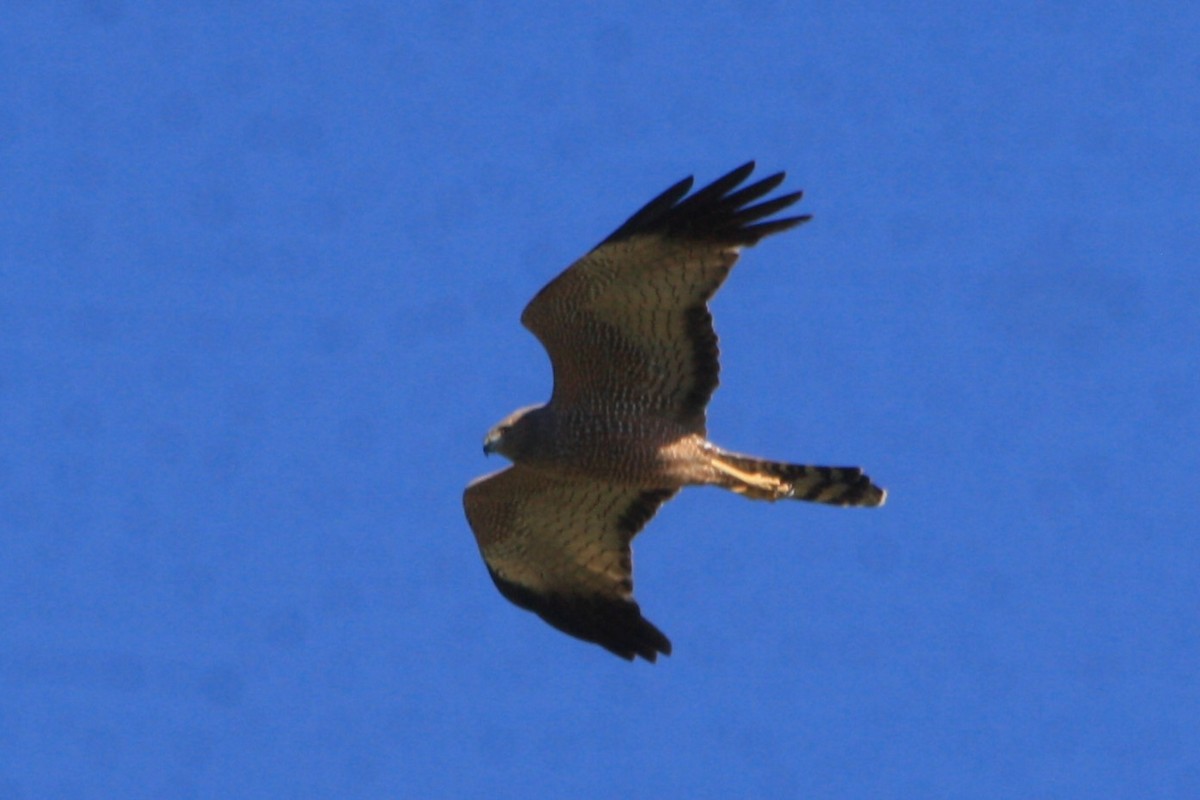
[[261, 267]]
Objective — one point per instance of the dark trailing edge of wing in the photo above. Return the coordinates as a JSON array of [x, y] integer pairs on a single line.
[[609, 620], [716, 212], [704, 358], [642, 509], [616, 625]]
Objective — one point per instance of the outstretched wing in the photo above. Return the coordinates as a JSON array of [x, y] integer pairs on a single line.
[[629, 324], [559, 546]]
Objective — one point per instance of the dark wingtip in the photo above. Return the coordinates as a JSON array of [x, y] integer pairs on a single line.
[[716, 212], [615, 624]]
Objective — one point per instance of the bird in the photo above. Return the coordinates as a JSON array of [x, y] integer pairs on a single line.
[[635, 360]]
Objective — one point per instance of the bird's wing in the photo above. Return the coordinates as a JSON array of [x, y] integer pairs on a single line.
[[629, 322], [559, 546]]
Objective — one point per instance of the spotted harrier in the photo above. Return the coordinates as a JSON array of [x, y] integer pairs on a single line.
[[634, 353]]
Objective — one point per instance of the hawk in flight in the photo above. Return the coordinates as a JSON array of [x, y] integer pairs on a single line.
[[634, 353]]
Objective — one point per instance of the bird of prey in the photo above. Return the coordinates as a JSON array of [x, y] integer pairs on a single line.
[[634, 355]]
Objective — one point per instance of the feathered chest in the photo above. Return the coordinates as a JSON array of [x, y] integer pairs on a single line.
[[614, 440]]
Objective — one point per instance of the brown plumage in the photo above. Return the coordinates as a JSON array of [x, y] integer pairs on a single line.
[[634, 353]]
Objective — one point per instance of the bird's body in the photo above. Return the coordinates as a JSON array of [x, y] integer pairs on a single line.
[[617, 445], [634, 353]]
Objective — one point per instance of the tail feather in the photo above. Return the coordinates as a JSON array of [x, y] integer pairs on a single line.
[[760, 479]]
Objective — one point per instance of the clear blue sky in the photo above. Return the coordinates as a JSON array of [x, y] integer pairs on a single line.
[[261, 267]]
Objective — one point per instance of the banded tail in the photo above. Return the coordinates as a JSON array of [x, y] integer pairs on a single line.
[[760, 479]]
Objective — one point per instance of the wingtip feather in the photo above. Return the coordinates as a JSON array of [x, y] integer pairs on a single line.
[[717, 212]]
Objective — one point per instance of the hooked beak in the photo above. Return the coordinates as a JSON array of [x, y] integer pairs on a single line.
[[489, 444]]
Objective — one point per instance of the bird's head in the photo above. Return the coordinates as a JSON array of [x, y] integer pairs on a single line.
[[512, 436]]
